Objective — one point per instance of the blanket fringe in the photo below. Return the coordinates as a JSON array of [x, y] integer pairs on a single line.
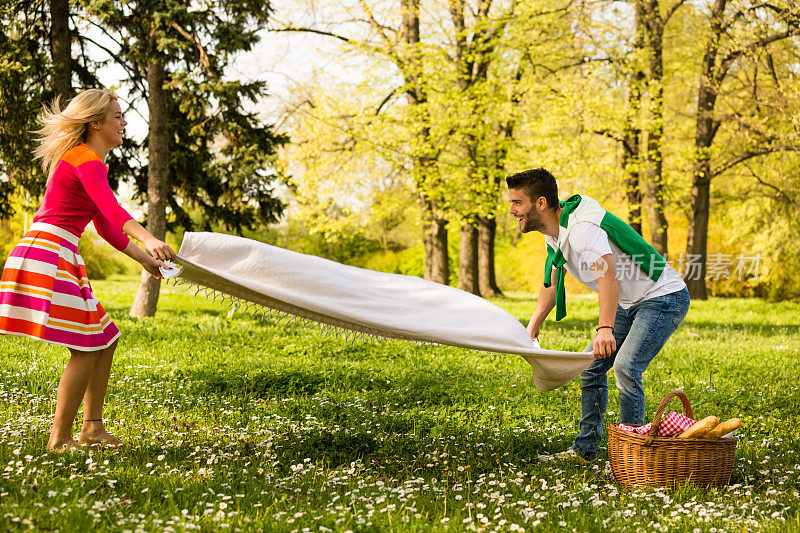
[[288, 321]]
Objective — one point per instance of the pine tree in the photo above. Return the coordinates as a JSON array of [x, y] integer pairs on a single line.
[[206, 152]]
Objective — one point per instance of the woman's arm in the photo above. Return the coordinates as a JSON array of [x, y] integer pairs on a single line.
[[94, 177], [148, 263], [157, 248], [108, 231]]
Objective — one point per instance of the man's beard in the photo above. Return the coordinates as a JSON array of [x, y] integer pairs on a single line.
[[533, 222]]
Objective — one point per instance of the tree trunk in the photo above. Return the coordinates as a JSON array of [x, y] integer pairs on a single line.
[[654, 31], [631, 152], [61, 49], [434, 226], [434, 240], [655, 191], [630, 168], [706, 129], [146, 299], [487, 283], [694, 271], [410, 12], [468, 259]]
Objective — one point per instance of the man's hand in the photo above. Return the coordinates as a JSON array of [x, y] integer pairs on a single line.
[[604, 343], [545, 304], [533, 330]]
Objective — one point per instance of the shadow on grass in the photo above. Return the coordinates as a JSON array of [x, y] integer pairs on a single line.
[[410, 450], [715, 329], [417, 450], [259, 384], [411, 387]]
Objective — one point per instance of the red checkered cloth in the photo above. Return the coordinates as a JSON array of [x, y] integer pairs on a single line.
[[672, 424]]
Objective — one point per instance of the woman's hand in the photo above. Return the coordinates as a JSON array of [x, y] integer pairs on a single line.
[[159, 249], [151, 265]]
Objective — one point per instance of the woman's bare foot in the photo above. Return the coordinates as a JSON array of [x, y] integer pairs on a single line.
[[59, 447], [102, 437]]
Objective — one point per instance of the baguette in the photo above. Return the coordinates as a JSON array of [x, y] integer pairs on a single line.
[[724, 428], [699, 429]]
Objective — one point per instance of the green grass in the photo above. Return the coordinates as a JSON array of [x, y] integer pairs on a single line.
[[232, 423]]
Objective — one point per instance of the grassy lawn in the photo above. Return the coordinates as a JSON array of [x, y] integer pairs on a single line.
[[235, 424]]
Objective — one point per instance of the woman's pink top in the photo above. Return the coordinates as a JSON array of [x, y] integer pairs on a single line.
[[78, 192]]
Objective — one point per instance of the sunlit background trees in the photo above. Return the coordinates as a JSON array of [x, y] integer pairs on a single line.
[[681, 116]]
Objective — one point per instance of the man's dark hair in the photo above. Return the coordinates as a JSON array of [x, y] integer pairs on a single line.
[[535, 183]]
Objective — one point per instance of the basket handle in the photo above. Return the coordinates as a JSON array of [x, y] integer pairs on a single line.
[[660, 412]]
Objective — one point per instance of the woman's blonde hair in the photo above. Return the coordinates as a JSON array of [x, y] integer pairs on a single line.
[[65, 129]]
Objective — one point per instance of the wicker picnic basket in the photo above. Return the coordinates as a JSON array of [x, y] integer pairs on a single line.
[[668, 461]]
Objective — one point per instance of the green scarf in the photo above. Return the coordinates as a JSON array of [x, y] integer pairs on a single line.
[[620, 233]]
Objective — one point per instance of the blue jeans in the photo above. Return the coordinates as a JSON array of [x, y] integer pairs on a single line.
[[640, 332]]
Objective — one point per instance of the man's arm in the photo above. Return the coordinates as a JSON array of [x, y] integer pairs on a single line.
[[604, 343], [545, 304]]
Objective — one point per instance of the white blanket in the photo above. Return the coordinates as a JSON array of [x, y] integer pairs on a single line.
[[365, 301]]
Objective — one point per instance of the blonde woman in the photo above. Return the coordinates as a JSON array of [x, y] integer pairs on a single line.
[[45, 293]]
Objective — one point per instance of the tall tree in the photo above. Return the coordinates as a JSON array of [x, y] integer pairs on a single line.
[[400, 42], [632, 130], [473, 50], [158, 146], [37, 63], [491, 47], [458, 81], [434, 222], [653, 24], [206, 152], [724, 48], [648, 81], [624, 50], [487, 222]]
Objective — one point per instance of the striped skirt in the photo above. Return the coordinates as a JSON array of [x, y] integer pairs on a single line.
[[46, 295]]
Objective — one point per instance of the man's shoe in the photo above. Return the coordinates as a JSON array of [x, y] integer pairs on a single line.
[[569, 456]]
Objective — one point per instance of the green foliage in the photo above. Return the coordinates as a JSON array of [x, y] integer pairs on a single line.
[[433, 126], [221, 154], [26, 85], [433, 117], [412, 261], [238, 424], [24, 70], [386, 261], [349, 248], [450, 116], [11, 230], [773, 241]]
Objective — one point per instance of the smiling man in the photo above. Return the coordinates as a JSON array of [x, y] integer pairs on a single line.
[[642, 299]]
